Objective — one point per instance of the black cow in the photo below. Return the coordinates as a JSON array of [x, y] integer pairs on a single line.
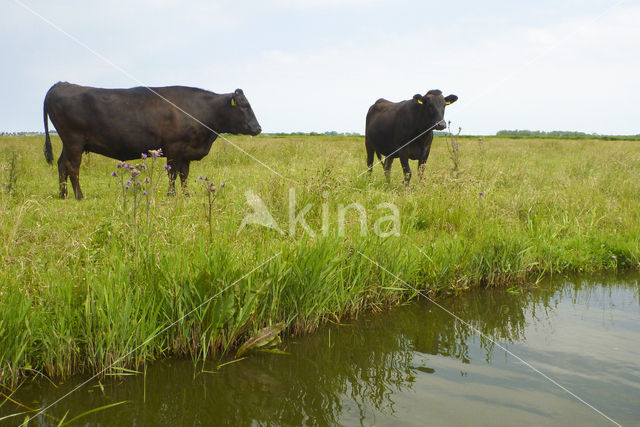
[[404, 130], [125, 123]]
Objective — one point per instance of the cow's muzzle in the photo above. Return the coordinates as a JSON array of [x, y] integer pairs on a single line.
[[441, 125], [256, 130]]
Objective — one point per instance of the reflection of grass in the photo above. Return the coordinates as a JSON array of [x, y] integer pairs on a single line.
[[29, 412], [74, 296]]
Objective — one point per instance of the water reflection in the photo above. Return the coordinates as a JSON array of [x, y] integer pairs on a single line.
[[376, 368]]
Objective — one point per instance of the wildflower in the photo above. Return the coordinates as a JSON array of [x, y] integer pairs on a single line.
[[167, 167], [134, 173], [141, 166], [212, 187], [126, 186], [146, 180], [222, 185], [114, 174], [481, 193], [120, 165], [156, 153], [138, 183], [200, 178], [144, 156], [614, 257], [144, 193]]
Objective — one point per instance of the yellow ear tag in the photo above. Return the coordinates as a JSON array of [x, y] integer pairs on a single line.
[[419, 101], [447, 102], [233, 102]]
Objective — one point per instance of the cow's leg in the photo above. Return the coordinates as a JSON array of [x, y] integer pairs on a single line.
[[387, 168], [62, 174], [184, 174], [422, 162], [172, 171], [69, 167], [370, 154], [404, 161], [421, 166], [73, 169]]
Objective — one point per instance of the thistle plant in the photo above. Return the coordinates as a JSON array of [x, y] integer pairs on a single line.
[[211, 192], [154, 155], [10, 170], [131, 180], [453, 147]]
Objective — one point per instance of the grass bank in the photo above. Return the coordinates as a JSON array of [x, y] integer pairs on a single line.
[[117, 278]]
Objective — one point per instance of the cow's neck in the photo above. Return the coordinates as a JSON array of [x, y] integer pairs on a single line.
[[216, 120]]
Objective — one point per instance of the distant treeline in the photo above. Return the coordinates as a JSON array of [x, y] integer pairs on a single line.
[[328, 133], [26, 133], [565, 134]]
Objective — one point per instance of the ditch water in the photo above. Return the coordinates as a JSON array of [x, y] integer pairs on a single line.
[[414, 365]]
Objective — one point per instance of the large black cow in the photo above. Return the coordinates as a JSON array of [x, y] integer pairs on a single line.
[[124, 123], [404, 130]]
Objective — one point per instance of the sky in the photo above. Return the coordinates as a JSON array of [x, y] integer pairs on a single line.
[[317, 65]]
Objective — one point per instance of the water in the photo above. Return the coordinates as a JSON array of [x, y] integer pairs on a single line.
[[414, 365]]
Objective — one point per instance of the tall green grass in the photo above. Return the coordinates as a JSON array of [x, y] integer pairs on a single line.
[[85, 285]]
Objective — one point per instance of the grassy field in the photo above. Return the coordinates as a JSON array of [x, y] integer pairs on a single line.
[[124, 279]]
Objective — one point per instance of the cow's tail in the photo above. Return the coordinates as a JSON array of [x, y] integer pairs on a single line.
[[48, 152]]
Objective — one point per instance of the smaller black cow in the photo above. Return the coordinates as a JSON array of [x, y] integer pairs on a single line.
[[125, 123], [404, 130]]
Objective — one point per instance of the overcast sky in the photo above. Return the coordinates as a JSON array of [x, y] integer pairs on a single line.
[[317, 65]]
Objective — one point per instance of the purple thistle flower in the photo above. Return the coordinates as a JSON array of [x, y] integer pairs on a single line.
[[114, 174], [128, 182], [119, 165], [200, 178], [126, 186], [135, 173], [146, 180], [144, 156], [167, 167], [481, 193], [144, 193], [222, 185]]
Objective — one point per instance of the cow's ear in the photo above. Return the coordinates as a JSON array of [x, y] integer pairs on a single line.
[[450, 99], [239, 92], [418, 98]]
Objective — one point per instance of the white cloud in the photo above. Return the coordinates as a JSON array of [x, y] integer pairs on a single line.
[[305, 4]]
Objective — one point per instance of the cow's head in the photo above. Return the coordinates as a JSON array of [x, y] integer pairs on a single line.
[[433, 104], [240, 118]]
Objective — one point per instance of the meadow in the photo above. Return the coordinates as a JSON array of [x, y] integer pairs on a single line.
[[124, 277]]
